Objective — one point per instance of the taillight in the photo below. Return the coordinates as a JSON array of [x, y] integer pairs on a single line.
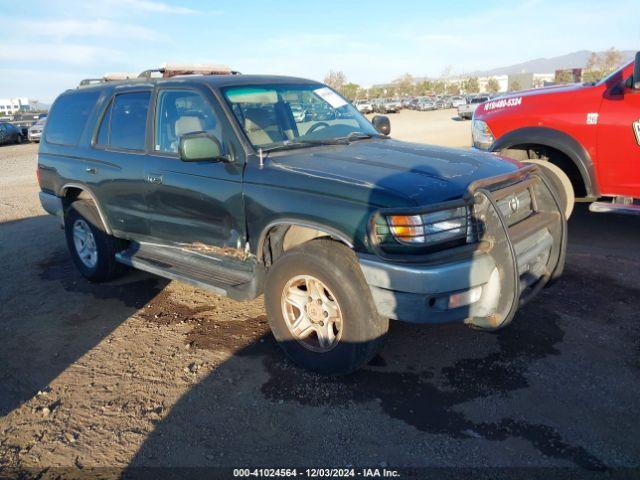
[[38, 174]]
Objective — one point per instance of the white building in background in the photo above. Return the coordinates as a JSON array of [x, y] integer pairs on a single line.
[[503, 83], [539, 79], [9, 106]]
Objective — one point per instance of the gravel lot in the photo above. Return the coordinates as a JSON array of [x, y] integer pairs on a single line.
[[145, 372]]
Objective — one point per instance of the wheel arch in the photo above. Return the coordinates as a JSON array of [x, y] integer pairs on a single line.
[[285, 234], [76, 191], [557, 140]]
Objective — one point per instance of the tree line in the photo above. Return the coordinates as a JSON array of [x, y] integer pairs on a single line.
[[598, 66]]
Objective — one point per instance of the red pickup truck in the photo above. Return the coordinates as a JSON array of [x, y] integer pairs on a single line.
[[590, 132]]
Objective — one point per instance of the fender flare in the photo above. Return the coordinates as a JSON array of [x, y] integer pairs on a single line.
[[87, 190], [290, 222], [555, 139]]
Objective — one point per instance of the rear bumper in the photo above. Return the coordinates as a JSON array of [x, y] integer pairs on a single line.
[[52, 204]]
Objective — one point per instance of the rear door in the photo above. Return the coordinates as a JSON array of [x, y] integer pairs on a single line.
[[114, 165], [193, 203], [619, 143]]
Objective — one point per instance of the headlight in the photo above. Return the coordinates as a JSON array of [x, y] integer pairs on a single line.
[[430, 228], [481, 134]]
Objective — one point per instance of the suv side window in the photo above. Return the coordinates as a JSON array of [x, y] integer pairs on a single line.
[[125, 123], [179, 112], [68, 117]]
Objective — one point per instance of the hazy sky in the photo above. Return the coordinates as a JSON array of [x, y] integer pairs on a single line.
[[47, 47]]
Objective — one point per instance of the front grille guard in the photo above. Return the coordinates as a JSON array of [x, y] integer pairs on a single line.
[[501, 237], [495, 236]]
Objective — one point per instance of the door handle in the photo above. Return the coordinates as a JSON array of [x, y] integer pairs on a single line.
[[156, 179], [91, 170]]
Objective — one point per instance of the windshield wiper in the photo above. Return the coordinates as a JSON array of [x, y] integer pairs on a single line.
[[357, 136], [291, 144]]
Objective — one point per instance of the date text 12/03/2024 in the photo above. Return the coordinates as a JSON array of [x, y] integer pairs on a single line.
[[316, 473]]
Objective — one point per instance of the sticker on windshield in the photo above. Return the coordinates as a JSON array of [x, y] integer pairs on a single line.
[[331, 97]]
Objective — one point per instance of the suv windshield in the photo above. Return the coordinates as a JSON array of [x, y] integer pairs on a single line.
[[282, 116]]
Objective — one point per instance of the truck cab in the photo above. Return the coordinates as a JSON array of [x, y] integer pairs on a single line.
[[589, 131]]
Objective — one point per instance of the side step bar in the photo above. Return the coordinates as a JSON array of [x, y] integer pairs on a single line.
[[607, 207], [240, 280]]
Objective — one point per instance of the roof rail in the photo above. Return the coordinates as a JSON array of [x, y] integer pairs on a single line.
[[168, 70], [109, 77]]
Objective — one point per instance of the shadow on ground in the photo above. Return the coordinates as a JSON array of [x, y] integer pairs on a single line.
[[73, 324]]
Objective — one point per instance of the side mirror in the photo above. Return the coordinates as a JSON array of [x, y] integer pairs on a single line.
[[382, 124], [201, 147], [636, 73]]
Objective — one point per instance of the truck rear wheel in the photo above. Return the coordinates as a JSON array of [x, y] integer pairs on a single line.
[[560, 182], [320, 308], [92, 249]]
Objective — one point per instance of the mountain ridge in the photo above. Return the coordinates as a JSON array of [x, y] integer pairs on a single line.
[[546, 65]]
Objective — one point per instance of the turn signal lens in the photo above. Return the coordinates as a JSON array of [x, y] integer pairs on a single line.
[[407, 228]]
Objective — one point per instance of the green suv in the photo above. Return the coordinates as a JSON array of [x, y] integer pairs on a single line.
[[213, 181]]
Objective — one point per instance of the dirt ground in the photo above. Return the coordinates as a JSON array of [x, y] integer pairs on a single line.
[[142, 372]]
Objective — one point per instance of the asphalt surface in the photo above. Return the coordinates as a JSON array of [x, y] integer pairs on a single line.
[[143, 372]]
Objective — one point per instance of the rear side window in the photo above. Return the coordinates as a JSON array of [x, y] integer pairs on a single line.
[[68, 117], [125, 123]]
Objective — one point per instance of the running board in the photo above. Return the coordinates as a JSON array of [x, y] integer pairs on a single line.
[[607, 207], [237, 279]]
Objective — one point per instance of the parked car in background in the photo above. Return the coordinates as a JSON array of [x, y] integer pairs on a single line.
[[363, 106], [35, 131], [413, 104], [457, 101], [426, 104], [406, 102], [9, 133], [444, 102], [466, 111], [339, 225], [386, 105]]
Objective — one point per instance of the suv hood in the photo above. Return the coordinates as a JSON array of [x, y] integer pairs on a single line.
[[385, 172]]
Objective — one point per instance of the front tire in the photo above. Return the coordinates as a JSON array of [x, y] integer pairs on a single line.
[[320, 308], [92, 249]]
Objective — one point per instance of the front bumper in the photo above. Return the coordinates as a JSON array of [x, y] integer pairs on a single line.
[[34, 136], [509, 266]]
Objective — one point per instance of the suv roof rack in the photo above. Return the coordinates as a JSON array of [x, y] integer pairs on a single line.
[[109, 77], [166, 70]]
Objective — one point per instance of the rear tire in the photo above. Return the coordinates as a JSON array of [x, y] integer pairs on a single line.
[[560, 182], [359, 334], [92, 249]]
